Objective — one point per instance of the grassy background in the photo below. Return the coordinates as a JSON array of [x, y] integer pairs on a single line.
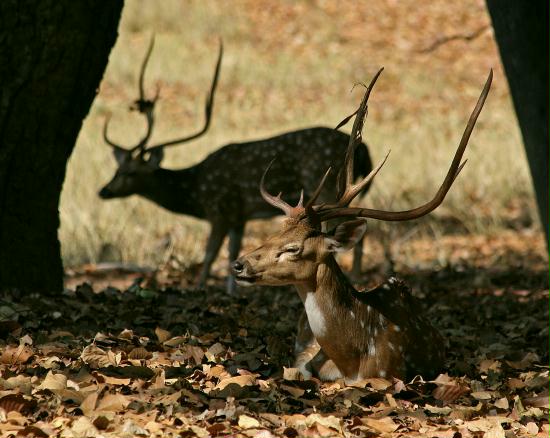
[[288, 65]]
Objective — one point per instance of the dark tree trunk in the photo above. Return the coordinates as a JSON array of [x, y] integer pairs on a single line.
[[521, 30], [52, 57]]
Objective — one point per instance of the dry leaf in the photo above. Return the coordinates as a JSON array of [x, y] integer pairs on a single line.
[[329, 421], [482, 395], [214, 351], [33, 431], [532, 428], [126, 334], [20, 382], [489, 364], [194, 352], [246, 380], [113, 380], [292, 374], [54, 381], [502, 403], [295, 391], [541, 401], [83, 427], [16, 355], [162, 335], [526, 362], [176, 341], [89, 403], [17, 403], [246, 422], [139, 353], [495, 432], [113, 403], [437, 410], [449, 393], [377, 383], [383, 425], [95, 357]]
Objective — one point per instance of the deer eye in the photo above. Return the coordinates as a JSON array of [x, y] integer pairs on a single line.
[[291, 249]]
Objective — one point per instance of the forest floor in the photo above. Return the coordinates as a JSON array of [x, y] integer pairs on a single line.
[[154, 358]]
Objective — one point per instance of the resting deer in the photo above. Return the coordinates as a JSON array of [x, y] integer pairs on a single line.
[[349, 334], [221, 188]]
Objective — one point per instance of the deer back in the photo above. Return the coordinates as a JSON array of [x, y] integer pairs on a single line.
[[229, 177]]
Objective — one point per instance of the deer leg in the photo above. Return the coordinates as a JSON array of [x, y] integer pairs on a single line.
[[325, 368], [305, 347], [310, 358], [215, 240], [235, 240]]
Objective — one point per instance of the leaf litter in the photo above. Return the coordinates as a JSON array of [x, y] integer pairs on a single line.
[[157, 360]]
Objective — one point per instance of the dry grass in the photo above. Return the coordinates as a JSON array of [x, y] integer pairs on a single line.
[[291, 64]]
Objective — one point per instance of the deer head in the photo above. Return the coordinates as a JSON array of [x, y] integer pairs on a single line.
[[293, 255], [141, 160]]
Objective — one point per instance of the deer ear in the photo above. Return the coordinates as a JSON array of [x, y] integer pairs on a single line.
[[155, 157], [121, 155], [346, 235]]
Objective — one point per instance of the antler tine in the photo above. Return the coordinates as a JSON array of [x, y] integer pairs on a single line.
[[352, 191], [106, 137], [142, 104], [317, 191], [276, 201], [346, 181], [141, 144], [207, 109], [454, 169]]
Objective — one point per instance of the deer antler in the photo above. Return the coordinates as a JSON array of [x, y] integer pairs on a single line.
[[147, 107], [141, 144], [143, 105], [289, 210], [207, 109], [350, 191]]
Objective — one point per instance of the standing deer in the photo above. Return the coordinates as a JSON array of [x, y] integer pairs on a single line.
[[221, 188], [349, 334]]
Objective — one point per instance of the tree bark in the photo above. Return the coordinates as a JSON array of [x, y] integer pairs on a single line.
[[52, 57], [521, 30]]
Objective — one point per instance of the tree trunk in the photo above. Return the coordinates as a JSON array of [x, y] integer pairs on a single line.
[[521, 30], [52, 57]]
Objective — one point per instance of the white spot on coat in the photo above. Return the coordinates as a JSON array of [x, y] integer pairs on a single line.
[[372, 349]]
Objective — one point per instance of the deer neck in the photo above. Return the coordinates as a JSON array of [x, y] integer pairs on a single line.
[[175, 190], [325, 297], [330, 284], [334, 316]]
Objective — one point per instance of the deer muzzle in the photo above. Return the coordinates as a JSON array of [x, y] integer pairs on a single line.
[[243, 272], [106, 193]]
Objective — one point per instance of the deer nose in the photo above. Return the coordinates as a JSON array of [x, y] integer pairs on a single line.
[[237, 266], [105, 193]]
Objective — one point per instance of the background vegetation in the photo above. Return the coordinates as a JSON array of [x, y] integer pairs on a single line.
[[291, 65]]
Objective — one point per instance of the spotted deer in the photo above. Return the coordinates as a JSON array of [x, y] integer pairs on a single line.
[[344, 333], [221, 189]]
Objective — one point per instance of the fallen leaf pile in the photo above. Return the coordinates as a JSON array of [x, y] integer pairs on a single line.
[[147, 362]]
